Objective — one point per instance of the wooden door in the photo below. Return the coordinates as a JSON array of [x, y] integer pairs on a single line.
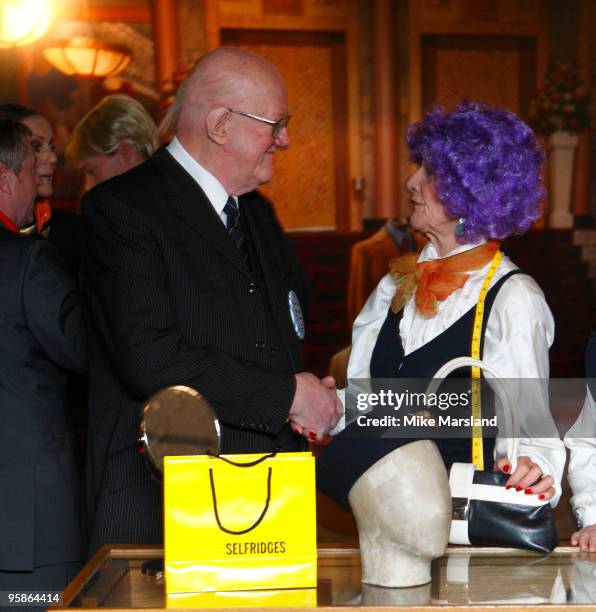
[[498, 70], [310, 185]]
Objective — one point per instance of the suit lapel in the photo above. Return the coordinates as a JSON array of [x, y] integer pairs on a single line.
[[190, 204], [267, 260]]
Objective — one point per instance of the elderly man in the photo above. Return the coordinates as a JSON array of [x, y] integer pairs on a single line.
[[42, 337], [190, 280]]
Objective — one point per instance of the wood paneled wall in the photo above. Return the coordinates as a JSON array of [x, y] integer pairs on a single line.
[[490, 50], [430, 36], [314, 43]]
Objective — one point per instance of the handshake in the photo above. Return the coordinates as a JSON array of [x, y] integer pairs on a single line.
[[316, 408]]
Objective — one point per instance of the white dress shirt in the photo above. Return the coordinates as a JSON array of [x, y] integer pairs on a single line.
[[213, 189], [581, 441], [519, 332]]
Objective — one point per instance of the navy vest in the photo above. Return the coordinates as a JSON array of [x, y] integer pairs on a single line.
[[346, 458], [388, 359]]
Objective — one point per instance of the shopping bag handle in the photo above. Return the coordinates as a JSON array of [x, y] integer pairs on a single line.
[[256, 523], [249, 464], [214, 495], [499, 386]]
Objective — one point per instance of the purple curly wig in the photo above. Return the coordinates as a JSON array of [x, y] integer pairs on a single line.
[[486, 167]]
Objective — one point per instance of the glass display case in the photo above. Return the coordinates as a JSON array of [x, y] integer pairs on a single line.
[[126, 577]]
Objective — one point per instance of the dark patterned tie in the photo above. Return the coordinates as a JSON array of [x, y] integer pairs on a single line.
[[234, 228]]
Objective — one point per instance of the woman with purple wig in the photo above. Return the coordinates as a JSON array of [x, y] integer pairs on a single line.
[[478, 181]]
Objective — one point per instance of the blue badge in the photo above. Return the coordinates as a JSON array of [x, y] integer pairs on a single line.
[[296, 314]]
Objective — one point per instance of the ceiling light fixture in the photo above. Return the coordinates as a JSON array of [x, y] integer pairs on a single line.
[[87, 57], [22, 22]]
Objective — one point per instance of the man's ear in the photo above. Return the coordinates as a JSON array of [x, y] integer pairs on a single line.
[[5, 182], [217, 124]]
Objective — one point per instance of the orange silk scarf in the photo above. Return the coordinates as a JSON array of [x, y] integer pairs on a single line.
[[435, 280]]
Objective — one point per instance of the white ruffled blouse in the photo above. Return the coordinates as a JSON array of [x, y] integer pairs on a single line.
[[519, 333]]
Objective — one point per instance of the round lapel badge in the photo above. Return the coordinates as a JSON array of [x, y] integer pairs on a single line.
[[296, 315]]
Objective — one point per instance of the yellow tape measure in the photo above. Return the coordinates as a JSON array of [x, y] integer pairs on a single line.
[[477, 444]]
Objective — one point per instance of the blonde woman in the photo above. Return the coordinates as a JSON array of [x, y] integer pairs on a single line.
[[114, 136]]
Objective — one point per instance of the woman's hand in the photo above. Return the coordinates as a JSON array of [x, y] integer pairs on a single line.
[[585, 538], [528, 477]]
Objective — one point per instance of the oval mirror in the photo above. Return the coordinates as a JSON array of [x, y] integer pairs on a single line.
[[177, 421]]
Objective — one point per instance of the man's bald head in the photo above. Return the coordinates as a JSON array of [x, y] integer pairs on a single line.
[[223, 77], [231, 115]]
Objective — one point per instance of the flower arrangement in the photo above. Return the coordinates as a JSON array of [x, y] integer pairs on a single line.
[[562, 104]]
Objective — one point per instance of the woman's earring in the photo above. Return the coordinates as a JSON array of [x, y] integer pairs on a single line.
[[460, 228]]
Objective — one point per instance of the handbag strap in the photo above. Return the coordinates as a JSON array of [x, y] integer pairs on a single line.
[[214, 495], [501, 389]]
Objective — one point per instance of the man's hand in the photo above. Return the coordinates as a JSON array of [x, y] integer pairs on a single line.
[[316, 408], [585, 538]]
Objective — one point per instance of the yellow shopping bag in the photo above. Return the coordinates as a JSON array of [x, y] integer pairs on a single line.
[[240, 522], [273, 598]]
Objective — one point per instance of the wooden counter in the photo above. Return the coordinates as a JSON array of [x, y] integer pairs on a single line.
[[478, 578]]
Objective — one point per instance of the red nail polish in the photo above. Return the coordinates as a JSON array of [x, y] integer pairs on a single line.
[[312, 435], [542, 496], [508, 487], [528, 491], [507, 468], [518, 488]]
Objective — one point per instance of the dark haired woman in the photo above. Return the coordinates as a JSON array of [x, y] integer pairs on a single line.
[[61, 227]]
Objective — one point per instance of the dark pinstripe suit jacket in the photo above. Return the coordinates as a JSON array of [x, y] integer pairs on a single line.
[[171, 302]]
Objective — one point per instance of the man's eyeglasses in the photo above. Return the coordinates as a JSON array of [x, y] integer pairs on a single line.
[[278, 126]]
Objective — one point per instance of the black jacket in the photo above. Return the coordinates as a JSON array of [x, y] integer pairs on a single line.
[[172, 302], [42, 336]]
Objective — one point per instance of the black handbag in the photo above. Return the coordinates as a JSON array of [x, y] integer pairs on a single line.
[[484, 512]]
